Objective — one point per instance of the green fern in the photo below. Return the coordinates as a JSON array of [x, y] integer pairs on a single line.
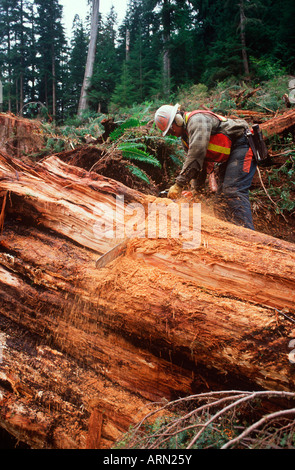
[[138, 172], [132, 144], [129, 123], [132, 151]]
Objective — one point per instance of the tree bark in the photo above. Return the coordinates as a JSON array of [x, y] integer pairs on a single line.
[[19, 136], [90, 57], [166, 15], [84, 346], [127, 49], [53, 83], [22, 48], [279, 124], [243, 40]]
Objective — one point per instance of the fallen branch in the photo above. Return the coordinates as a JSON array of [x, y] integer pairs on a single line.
[[268, 195], [250, 429], [171, 421]]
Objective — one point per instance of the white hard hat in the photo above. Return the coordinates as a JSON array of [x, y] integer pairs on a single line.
[[164, 117]]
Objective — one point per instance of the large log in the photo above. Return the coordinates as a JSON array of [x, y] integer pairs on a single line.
[[85, 350], [271, 123], [279, 123]]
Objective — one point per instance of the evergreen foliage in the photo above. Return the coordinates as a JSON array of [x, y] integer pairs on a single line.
[[75, 73], [160, 47], [50, 50], [137, 151], [106, 69]]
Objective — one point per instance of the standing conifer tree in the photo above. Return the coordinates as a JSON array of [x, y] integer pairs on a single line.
[[106, 66], [243, 40], [51, 43], [31, 54], [166, 17], [7, 25], [90, 57], [14, 46], [78, 51], [140, 50], [21, 51]]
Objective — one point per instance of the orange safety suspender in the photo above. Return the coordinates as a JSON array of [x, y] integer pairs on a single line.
[[219, 146]]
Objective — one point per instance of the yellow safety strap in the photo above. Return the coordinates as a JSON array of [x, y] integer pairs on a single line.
[[218, 149]]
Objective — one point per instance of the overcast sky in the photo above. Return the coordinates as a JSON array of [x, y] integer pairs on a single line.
[[80, 7]]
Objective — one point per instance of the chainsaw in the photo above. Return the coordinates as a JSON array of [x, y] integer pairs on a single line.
[[111, 255]]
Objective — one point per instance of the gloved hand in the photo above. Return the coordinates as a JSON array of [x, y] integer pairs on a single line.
[[175, 191]]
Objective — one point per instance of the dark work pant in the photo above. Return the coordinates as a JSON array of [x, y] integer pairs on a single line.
[[235, 179]]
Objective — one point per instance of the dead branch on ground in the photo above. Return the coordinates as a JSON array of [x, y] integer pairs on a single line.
[[232, 417]]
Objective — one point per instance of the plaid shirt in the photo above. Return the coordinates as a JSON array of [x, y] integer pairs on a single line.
[[199, 129]]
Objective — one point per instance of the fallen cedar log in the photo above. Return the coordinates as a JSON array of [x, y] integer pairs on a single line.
[[279, 124], [270, 123], [84, 351], [251, 116]]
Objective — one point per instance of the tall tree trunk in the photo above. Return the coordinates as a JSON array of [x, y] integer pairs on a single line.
[[127, 44], [32, 52], [21, 93], [22, 62], [166, 70], [53, 84], [16, 97], [9, 59], [243, 41], [46, 92], [166, 54], [90, 56]]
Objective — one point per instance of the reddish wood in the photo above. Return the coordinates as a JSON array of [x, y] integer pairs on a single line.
[[162, 321], [278, 124], [94, 431], [19, 136]]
